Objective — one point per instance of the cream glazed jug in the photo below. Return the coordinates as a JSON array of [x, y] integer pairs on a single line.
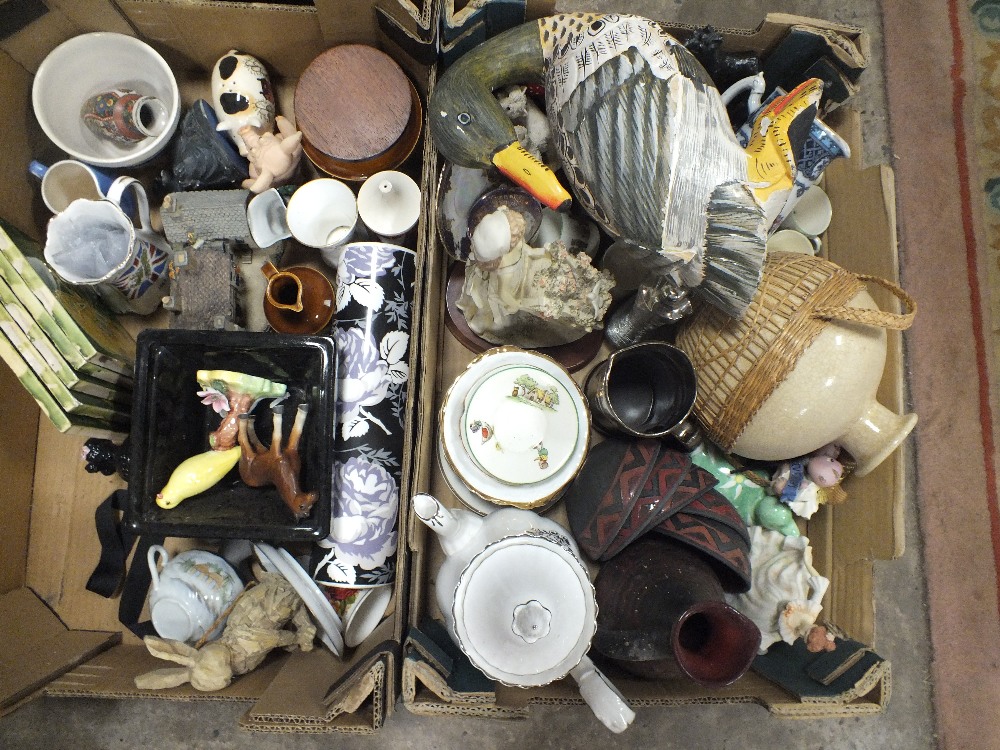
[[518, 601]]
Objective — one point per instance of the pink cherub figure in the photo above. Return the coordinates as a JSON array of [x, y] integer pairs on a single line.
[[274, 157]]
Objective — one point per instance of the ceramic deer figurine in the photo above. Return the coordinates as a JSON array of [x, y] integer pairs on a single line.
[[261, 466]]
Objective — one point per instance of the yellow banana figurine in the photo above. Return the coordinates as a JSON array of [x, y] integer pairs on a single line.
[[197, 474]]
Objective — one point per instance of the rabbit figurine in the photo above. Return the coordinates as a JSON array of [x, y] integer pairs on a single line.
[[255, 627]]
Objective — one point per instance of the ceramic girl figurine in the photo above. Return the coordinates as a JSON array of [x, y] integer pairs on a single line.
[[805, 483], [242, 96], [786, 593], [525, 296], [273, 157]]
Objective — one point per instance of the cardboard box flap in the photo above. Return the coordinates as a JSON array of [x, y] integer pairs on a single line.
[[38, 647], [318, 692]]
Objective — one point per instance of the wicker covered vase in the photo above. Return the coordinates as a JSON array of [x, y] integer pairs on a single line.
[[801, 369]]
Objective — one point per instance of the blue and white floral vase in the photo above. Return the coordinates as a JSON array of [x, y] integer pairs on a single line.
[[372, 328]]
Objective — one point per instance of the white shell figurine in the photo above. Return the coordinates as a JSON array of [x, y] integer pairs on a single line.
[[525, 296], [242, 96], [786, 591]]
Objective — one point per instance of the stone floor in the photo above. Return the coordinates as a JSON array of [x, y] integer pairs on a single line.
[[907, 724]]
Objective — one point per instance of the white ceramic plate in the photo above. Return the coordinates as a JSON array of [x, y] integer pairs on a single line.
[[327, 620], [520, 425], [487, 487]]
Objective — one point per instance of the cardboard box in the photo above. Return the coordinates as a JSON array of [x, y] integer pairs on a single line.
[[846, 539], [48, 544]]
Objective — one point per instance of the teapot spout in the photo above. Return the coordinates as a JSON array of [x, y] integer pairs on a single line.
[[453, 527]]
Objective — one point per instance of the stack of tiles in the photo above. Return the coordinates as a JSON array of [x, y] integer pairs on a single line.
[[71, 354]]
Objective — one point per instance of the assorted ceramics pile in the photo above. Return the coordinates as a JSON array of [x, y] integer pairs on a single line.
[[737, 356], [676, 226], [317, 330]]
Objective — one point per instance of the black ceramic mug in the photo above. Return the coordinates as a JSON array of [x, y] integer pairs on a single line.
[[646, 390]]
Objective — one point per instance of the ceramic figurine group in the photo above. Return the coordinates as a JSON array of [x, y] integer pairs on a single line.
[[234, 395]]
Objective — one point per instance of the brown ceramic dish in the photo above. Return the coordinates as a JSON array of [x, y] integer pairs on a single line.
[[391, 158]]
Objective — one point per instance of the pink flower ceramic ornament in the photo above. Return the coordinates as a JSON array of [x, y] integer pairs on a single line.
[[273, 157]]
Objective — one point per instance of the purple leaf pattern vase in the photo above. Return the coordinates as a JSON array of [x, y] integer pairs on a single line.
[[372, 330]]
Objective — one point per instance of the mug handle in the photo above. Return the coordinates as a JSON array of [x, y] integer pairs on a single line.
[[117, 190], [154, 551]]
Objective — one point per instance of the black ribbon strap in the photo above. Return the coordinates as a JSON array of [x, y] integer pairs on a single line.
[[110, 576]]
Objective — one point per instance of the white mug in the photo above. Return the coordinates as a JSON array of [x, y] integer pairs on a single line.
[[94, 243], [65, 181], [790, 241], [323, 214], [811, 214]]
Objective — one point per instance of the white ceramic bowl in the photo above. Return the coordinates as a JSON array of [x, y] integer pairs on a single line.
[[89, 64]]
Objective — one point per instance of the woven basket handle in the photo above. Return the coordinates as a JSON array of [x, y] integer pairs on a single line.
[[880, 318]]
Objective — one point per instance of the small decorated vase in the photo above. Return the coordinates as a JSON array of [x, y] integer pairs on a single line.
[[124, 116]]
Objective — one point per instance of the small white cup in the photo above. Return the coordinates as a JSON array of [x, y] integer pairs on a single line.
[[790, 241], [389, 204], [811, 214], [323, 214]]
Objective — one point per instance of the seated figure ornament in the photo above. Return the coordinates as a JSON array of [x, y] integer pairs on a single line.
[[529, 296]]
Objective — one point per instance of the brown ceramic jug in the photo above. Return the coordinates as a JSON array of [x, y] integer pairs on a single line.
[[297, 300]]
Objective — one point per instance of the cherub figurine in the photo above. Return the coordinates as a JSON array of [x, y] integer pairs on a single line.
[[273, 157], [255, 627], [786, 595]]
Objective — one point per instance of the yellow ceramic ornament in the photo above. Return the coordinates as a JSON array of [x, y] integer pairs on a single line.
[[197, 474]]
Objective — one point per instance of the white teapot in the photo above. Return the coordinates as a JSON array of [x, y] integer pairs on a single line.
[[518, 601]]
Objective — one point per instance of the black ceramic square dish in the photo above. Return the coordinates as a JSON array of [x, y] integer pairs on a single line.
[[170, 424]]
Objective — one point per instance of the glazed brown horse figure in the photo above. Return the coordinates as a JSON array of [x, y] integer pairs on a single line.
[[261, 466]]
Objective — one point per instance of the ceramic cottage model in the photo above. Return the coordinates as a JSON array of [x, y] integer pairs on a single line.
[[518, 601], [644, 139]]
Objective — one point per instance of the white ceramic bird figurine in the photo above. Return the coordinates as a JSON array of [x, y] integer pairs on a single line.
[[645, 142]]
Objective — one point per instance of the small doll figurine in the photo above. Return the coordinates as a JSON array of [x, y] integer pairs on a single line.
[[273, 157], [805, 483]]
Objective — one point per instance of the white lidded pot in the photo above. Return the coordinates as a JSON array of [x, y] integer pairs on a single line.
[[518, 601]]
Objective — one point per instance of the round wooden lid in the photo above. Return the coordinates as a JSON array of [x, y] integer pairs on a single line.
[[353, 102]]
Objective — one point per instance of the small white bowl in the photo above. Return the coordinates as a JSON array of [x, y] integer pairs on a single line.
[[87, 65]]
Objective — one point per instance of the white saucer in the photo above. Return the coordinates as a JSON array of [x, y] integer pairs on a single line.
[[329, 627], [469, 498]]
